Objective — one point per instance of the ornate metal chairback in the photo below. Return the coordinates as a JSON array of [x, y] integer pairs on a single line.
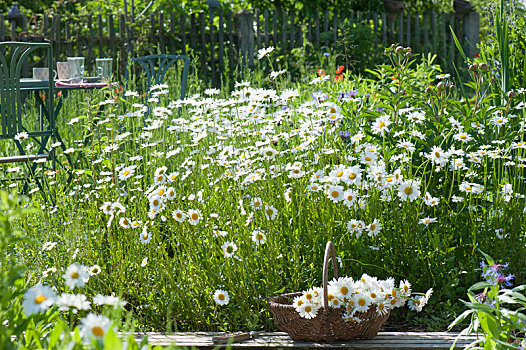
[[156, 66], [13, 55]]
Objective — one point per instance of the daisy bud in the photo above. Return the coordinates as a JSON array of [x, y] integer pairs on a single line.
[[441, 86], [474, 67], [484, 67], [511, 94]]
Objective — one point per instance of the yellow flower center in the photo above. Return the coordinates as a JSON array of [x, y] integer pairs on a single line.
[[308, 296], [406, 288], [437, 154], [352, 176], [330, 297], [340, 173], [344, 290], [155, 202], [144, 236], [97, 331], [368, 159], [373, 295], [221, 297], [160, 178], [300, 302], [335, 194], [393, 293], [194, 216], [75, 275], [126, 173], [382, 125], [125, 222], [499, 121], [462, 137], [333, 110], [308, 309], [393, 301], [259, 236], [373, 226], [270, 211], [381, 307], [179, 215], [40, 299], [408, 190], [361, 301], [161, 192]]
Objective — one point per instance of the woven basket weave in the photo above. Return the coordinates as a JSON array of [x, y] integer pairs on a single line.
[[328, 325]]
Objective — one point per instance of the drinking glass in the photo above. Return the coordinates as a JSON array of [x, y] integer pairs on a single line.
[[76, 66], [104, 67]]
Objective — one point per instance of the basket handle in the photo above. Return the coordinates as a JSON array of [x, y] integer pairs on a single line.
[[328, 249]]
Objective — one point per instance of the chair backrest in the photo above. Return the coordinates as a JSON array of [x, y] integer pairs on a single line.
[[156, 66], [13, 56]]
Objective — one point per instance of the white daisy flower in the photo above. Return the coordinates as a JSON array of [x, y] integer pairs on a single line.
[[94, 327], [38, 299], [221, 297], [76, 276]]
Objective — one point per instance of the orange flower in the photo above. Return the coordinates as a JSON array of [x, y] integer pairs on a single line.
[[338, 78], [321, 72], [59, 94], [340, 69]]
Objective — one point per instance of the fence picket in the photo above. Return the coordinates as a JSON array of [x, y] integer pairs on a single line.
[[212, 48]]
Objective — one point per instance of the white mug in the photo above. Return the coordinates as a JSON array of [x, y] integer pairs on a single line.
[[42, 74], [63, 70]]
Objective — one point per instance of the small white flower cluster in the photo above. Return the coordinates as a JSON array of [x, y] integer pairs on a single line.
[[362, 295], [41, 298]]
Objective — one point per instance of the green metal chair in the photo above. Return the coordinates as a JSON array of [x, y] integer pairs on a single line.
[[13, 56], [156, 66]]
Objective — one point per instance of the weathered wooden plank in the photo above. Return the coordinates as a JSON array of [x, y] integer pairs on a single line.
[[101, 38], [384, 340], [434, 31], [231, 44], [123, 50], [90, 43], [162, 41], [203, 43], [172, 33], [220, 38], [325, 28], [192, 32], [266, 27], [317, 29], [443, 33], [275, 28], [2, 27], [284, 30], [182, 32], [401, 28], [408, 29], [67, 32], [55, 35], [375, 29], [425, 30], [212, 47], [417, 32], [384, 29], [112, 42], [292, 29], [258, 29], [335, 27]]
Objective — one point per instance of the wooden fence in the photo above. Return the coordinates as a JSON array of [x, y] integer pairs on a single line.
[[218, 39]]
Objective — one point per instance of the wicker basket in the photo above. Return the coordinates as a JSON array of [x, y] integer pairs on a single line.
[[328, 325]]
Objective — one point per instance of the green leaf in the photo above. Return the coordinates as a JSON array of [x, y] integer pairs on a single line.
[[489, 259], [112, 341]]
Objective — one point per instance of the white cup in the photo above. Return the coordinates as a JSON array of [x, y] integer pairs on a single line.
[[42, 74], [63, 70]]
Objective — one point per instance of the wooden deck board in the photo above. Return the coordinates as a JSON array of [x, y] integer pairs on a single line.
[[384, 340]]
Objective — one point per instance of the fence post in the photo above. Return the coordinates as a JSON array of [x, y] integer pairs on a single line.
[[471, 32], [244, 29]]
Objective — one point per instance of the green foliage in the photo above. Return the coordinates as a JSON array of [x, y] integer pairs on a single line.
[[494, 310]]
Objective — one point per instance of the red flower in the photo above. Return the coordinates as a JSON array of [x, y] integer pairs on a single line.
[[143, 95], [340, 69], [477, 55], [59, 94], [338, 78], [321, 72]]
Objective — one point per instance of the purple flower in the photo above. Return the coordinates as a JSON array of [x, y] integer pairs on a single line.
[[345, 135], [326, 54]]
